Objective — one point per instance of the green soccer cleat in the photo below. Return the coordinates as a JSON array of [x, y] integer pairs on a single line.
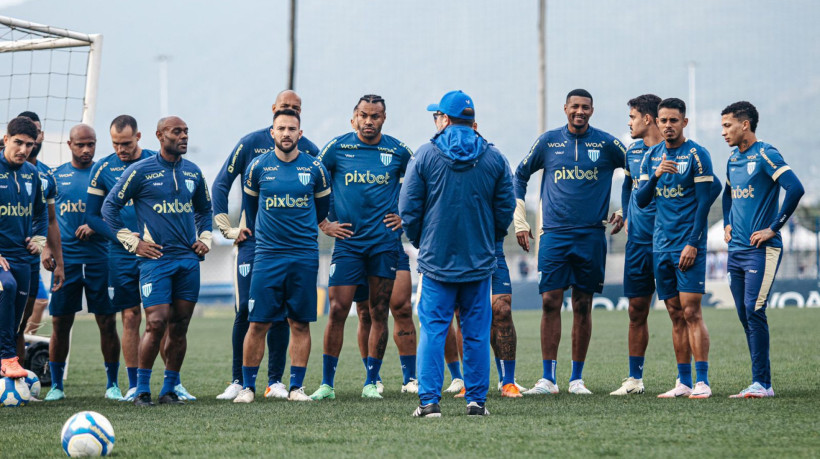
[[113, 393], [324, 392], [54, 394], [371, 391]]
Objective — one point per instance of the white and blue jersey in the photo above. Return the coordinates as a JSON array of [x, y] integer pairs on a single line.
[[641, 221], [752, 177], [23, 211], [70, 206]]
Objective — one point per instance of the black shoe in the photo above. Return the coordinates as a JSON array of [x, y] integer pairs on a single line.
[[431, 410], [170, 398], [143, 399], [474, 409]]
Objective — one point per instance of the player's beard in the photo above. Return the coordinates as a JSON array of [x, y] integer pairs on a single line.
[[282, 148]]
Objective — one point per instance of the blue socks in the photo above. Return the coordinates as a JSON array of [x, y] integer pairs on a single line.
[[171, 380], [297, 376], [685, 374], [57, 369], [111, 370], [329, 369], [636, 367], [143, 381], [577, 370], [455, 370], [408, 367], [373, 367], [702, 368], [132, 376], [507, 373], [549, 370], [249, 377]]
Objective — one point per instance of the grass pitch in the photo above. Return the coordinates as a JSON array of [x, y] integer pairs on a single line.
[[563, 425]]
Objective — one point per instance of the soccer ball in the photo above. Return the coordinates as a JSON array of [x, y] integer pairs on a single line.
[[87, 433], [13, 392], [33, 383]]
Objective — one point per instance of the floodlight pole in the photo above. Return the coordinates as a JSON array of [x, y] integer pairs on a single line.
[[542, 66], [163, 84], [292, 43]]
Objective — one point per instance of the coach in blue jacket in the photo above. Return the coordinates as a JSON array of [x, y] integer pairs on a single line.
[[456, 201]]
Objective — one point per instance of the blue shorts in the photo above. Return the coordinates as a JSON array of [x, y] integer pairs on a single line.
[[574, 258], [671, 280], [91, 277], [283, 289], [639, 270], [165, 280], [351, 265], [34, 280], [242, 277], [124, 279], [42, 291], [363, 290], [501, 277]]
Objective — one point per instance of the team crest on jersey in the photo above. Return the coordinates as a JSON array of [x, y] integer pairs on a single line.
[[190, 184], [594, 154], [387, 158], [682, 167], [304, 178], [146, 289], [251, 303], [244, 269], [28, 187], [332, 269], [750, 167]]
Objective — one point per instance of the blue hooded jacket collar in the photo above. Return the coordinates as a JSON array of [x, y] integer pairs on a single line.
[[460, 144]]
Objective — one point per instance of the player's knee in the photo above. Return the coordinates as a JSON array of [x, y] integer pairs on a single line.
[[551, 303], [502, 311], [692, 314], [107, 323], [155, 325], [379, 314], [300, 328], [338, 313], [131, 318], [403, 312], [638, 314]]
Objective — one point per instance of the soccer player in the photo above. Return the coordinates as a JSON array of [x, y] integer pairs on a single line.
[[456, 238], [173, 209], [578, 161], [677, 175], [366, 167], [22, 234], [639, 280], [288, 193], [755, 173], [248, 148], [86, 268]]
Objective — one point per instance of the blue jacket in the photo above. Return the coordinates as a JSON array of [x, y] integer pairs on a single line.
[[456, 202], [23, 211]]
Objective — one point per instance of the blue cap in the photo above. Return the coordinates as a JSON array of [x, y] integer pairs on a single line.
[[453, 104]]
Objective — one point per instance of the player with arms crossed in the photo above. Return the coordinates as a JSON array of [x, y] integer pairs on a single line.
[[248, 148], [173, 211], [288, 194], [755, 173], [578, 161], [366, 167], [86, 268]]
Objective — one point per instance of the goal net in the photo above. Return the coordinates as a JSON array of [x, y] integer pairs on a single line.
[[52, 72]]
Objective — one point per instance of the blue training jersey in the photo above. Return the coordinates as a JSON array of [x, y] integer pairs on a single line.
[[641, 222], [171, 201], [49, 191], [675, 193], [23, 211], [70, 206], [577, 178], [366, 184], [286, 221], [752, 176]]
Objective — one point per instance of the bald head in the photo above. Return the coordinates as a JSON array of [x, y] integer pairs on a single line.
[[172, 133], [82, 141], [82, 130], [288, 99]]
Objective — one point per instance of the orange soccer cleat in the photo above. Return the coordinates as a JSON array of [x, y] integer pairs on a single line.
[[11, 368], [510, 390]]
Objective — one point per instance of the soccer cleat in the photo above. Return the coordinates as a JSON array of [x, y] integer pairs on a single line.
[[143, 399], [701, 390], [130, 395], [244, 396], [577, 387], [113, 393], [171, 398], [380, 387], [461, 393], [543, 387], [324, 392], [510, 390], [455, 387], [629, 386], [298, 395], [474, 409], [10, 368], [519, 386], [54, 394], [770, 392], [371, 391], [430, 410], [277, 390], [231, 391], [412, 387], [756, 390], [680, 390], [183, 394]]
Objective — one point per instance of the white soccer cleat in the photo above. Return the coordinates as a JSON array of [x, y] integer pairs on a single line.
[[629, 386], [379, 387], [577, 387], [412, 387], [756, 390], [455, 386], [298, 395], [244, 396], [680, 390], [131, 395], [277, 390], [230, 392], [542, 387], [519, 386], [701, 390], [770, 392]]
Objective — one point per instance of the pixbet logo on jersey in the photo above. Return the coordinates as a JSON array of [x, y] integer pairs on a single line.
[[15, 210], [667, 192], [742, 193], [286, 201], [69, 206], [576, 173], [173, 207], [367, 177]]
